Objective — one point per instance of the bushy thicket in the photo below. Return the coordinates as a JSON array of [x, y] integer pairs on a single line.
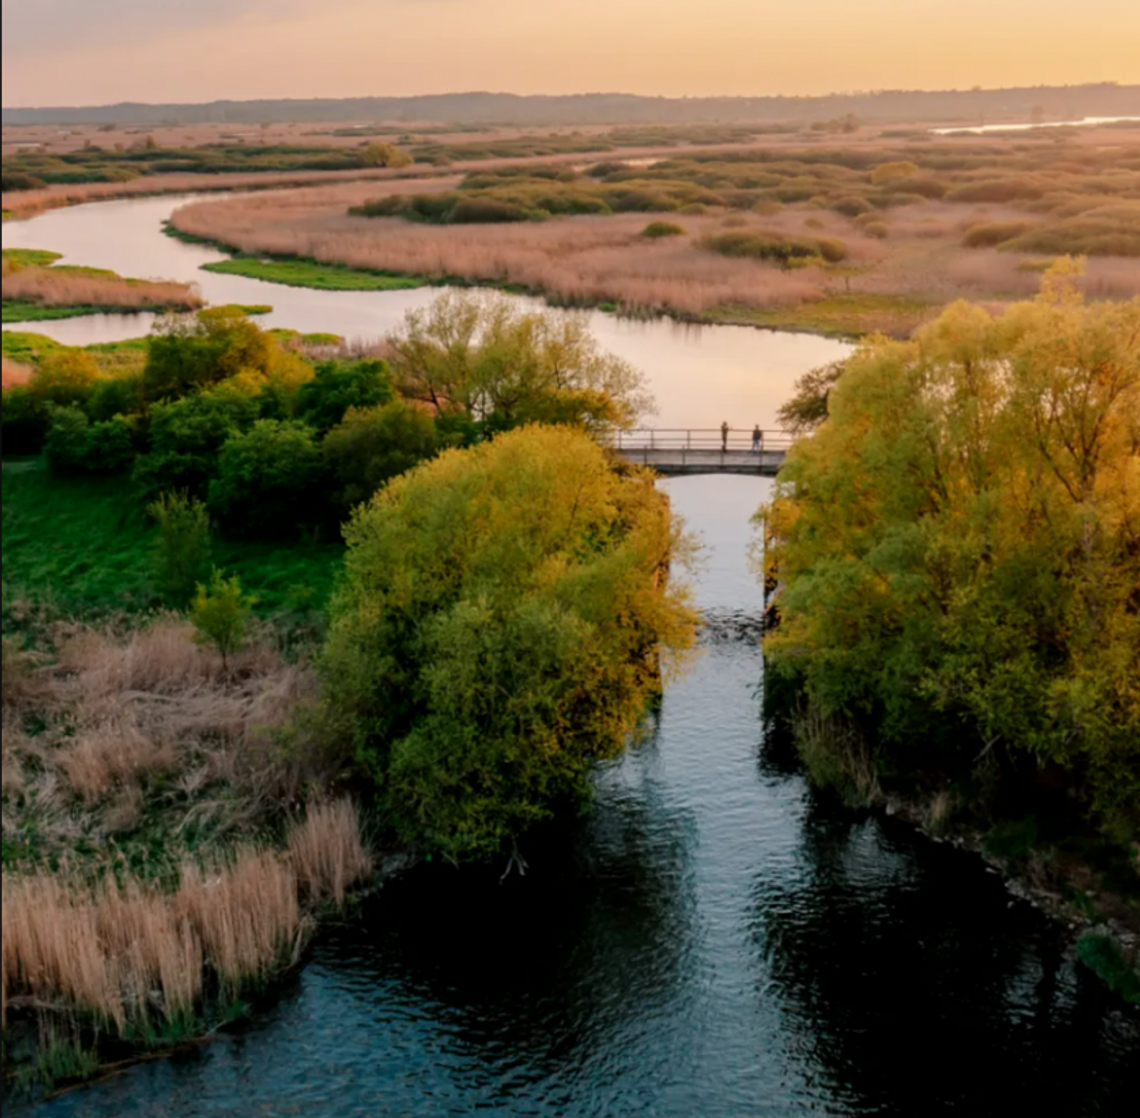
[[776, 247], [958, 549], [273, 446]]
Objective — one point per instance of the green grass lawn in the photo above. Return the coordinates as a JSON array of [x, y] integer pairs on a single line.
[[87, 545], [300, 272]]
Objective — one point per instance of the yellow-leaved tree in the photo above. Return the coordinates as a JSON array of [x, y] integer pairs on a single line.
[[958, 552]]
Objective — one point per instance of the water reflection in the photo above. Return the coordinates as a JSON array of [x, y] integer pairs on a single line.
[[916, 986]]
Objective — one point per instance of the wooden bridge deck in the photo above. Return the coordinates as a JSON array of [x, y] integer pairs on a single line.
[[673, 452]]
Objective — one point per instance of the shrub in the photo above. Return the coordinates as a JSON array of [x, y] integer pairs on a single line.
[[25, 421], [375, 444], [775, 247], [111, 396], [110, 446], [989, 234], [18, 180], [997, 190], [657, 229], [186, 437], [182, 549], [66, 441], [65, 377], [268, 480], [878, 229], [851, 205], [497, 631], [220, 614], [337, 386], [472, 211], [893, 172]]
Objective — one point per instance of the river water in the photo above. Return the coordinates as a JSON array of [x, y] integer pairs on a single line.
[[713, 940], [701, 375]]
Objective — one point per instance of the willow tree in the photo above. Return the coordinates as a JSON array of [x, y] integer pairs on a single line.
[[958, 547], [499, 629], [506, 365]]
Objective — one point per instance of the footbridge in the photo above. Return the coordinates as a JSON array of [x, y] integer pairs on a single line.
[[674, 451]]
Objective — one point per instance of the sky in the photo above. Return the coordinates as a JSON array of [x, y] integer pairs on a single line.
[[89, 52]]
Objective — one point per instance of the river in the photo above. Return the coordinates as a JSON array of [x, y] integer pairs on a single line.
[[701, 375], [713, 940]]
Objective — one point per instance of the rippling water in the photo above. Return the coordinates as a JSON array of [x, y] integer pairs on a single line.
[[711, 941]]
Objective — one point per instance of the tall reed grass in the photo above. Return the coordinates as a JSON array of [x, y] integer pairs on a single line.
[[129, 956], [52, 287]]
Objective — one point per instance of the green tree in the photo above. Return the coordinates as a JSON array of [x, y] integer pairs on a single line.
[[807, 407], [186, 438], [337, 386], [498, 630], [220, 613], [269, 480], [503, 364], [188, 352], [182, 548], [958, 547], [373, 445]]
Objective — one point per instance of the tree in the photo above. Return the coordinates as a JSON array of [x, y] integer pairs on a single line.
[[504, 364], [188, 352], [269, 481], [186, 438], [337, 386], [182, 548], [807, 408], [498, 630], [959, 548], [373, 445], [220, 614], [65, 377]]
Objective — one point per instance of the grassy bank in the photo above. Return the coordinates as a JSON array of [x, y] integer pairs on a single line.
[[87, 546], [302, 272]]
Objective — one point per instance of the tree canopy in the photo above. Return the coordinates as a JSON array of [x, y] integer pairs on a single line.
[[506, 365], [498, 629], [958, 546]]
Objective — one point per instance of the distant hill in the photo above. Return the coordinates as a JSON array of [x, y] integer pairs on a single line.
[[965, 106]]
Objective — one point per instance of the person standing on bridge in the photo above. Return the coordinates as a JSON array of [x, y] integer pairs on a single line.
[[757, 438], [724, 436]]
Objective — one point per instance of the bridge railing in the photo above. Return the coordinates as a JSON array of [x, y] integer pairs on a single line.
[[698, 438]]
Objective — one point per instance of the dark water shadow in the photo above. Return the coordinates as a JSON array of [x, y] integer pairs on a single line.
[[916, 986]]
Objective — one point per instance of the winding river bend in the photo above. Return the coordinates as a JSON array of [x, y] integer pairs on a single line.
[[711, 941]]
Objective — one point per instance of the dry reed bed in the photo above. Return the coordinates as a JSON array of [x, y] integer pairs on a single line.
[[582, 259], [52, 287], [127, 954], [94, 941], [600, 259]]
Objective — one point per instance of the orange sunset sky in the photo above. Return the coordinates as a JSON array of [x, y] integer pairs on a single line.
[[81, 52]]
